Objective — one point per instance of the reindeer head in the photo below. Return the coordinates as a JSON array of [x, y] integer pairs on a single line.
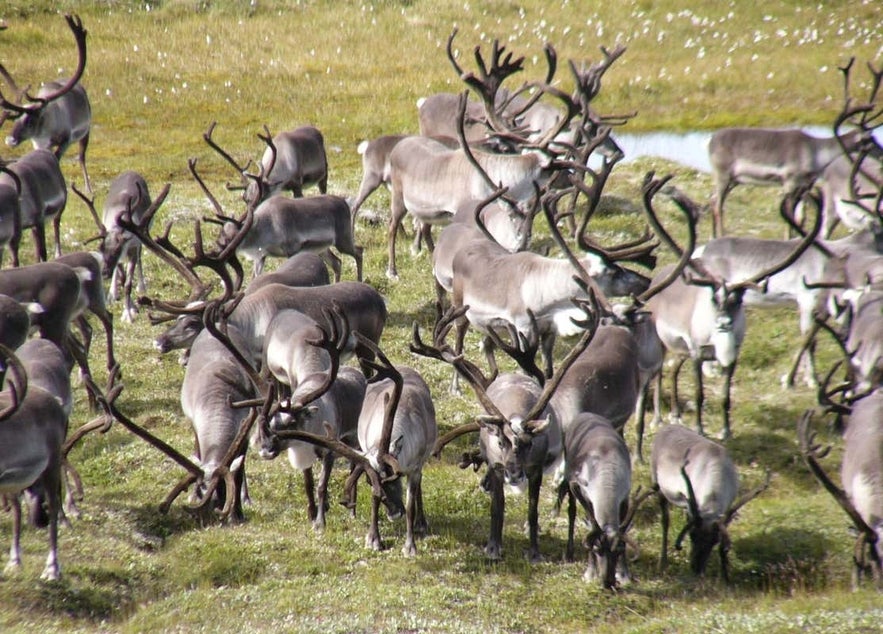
[[709, 530], [508, 445]]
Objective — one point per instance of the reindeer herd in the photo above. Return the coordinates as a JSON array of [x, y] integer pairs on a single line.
[[266, 361]]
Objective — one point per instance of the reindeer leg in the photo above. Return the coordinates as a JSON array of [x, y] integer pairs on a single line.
[[52, 570], [728, 380], [130, 310], [533, 516], [333, 261], [56, 230], [106, 320], [571, 518], [84, 143], [640, 415], [322, 491], [397, 213], [14, 564], [410, 548], [309, 490], [675, 403], [664, 520], [421, 526], [700, 394], [372, 539], [39, 233], [494, 547]]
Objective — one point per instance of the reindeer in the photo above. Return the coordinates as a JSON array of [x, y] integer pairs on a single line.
[[790, 158], [33, 426], [128, 197], [520, 438], [91, 299], [302, 269], [282, 226], [10, 208], [55, 287], [375, 168], [304, 357], [43, 197], [758, 156], [527, 290], [506, 225], [292, 160], [598, 473], [286, 226], [697, 474], [397, 425], [703, 317], [60, 113], [861, 494]]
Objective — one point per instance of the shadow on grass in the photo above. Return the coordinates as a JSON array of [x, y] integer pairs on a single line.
[[786, 561]]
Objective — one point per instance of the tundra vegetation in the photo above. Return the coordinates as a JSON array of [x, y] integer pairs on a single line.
[[160, 72]]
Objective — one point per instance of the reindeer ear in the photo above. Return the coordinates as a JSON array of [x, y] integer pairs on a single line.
[[236, 465], [534, 427]]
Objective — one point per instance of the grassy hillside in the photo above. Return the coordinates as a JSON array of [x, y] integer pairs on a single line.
[[159, 73]]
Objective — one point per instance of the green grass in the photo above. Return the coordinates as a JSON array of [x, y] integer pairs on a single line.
[[157, 77]]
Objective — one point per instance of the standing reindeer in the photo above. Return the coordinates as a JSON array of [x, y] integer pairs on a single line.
[[60, 113], [790, 158], [292, 160], [520, 437], [703, 318], [33, 426], [397, 426], [43, 198]]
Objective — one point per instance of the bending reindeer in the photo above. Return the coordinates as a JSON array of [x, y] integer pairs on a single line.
[[697, 474]]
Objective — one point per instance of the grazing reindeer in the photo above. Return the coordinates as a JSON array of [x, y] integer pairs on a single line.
[[286, 226], [790, 158], [397, 421], [598, 472], [283, 226], [697, 474], [60, 114], [520, 438], [33, 426], [292, 160], [43, 198], [375, 167], [304, 357], [128, 198], [91, 299], [860, 474]]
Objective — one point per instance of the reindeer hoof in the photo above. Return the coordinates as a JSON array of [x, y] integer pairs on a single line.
[[51, 573], [409, 550], [12, 569], [392, 276], [534, 556], [493, 552], [373, 542]]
